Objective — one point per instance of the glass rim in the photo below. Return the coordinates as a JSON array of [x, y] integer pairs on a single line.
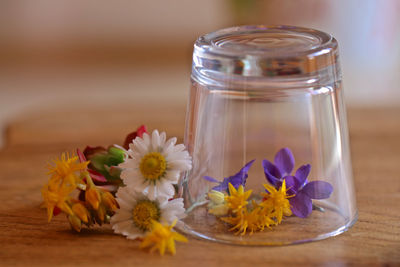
[[217, 42], [261, 51]]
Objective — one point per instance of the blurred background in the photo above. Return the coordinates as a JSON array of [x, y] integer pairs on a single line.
[[67, 54]]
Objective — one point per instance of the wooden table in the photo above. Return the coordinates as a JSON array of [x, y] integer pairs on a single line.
[[32, 140]]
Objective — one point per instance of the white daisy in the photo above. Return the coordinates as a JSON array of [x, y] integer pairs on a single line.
[[155, 165], [133, 219]]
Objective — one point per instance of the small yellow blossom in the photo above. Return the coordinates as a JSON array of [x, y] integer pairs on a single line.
[[92, 196], [56, 195], [101, 214], [219, 210], [217, 205], [75, 222], [81, 212], [65, 169], [68, 175], [246, 221], [109, 201], [162, 238], [266, 217], [237, 200], [216, 197], [276, 202]]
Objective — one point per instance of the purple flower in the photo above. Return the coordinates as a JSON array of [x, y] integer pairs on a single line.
[[303, 191], [236, 180]]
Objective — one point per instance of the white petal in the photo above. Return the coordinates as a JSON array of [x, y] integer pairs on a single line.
[[133, 182], [172, 176], [168, 218], [178, 148], [182, 165], [140, 146], [178, 156], [131, 147], [166, 189], [121, 227], [125, 194], [138, 186], [126, 173], [124, 204], [176, 204], [146, 139], [173, 210], [155, 140], [125, 165], [168, 147], [162, 201], [152, 193], [121, 215], [134, 234], [163, 137]]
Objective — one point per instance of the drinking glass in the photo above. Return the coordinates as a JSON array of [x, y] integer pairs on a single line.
[[270, 97]]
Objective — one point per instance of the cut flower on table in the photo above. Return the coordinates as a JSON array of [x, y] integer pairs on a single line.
[[284, 196], [142, 174]]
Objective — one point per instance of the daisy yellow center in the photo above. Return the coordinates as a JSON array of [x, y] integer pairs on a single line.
[[144, 212], [153, 166]]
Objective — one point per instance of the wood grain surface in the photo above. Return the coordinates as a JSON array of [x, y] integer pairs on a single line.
[[26, 239]]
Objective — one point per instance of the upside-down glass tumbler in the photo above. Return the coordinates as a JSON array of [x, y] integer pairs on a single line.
[[266, 128]]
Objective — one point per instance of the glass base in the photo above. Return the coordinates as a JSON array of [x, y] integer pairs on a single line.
[[321, 224]]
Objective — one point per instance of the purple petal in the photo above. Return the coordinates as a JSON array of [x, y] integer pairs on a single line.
[[292, 184], [240, 178], [242, 175], [236, 180], [302, 173], [271, 172], [318, 189], [284, 160], [220, 188], [246, 167], [301, 205], [210, 179]]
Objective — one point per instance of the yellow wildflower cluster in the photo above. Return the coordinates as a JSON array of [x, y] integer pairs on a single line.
[[68, 175], [254, 216]]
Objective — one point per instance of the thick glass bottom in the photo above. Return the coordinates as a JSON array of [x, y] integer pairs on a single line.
[[321, 224]]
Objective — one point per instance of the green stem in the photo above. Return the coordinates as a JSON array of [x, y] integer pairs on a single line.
[[89, 180], [195, 205]]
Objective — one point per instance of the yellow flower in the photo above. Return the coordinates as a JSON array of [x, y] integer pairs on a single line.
[[54, 195], [81, 212], [65, 169], [101, 215], [92, 196], [216, 197], [75, 222], [276, 202], [109, 201], [246, 221], [162, 238], [217, 205], [266, 217], [237, 199]]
